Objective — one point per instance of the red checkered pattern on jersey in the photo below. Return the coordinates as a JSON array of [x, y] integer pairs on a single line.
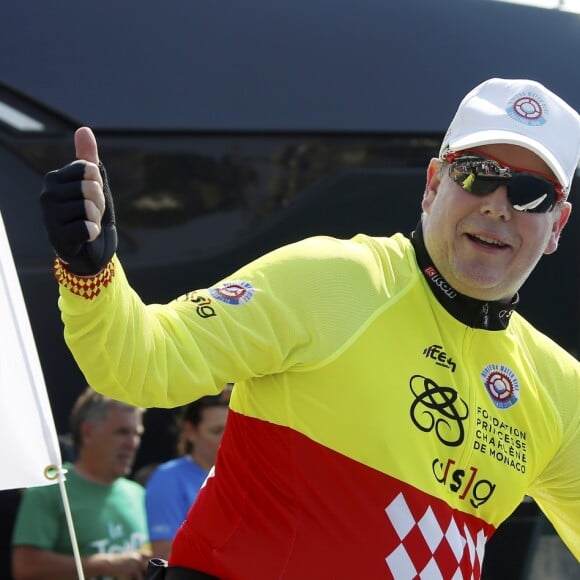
[[433, 540], [87, 287]]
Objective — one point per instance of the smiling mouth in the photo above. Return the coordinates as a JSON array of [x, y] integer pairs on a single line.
[[487, 242]]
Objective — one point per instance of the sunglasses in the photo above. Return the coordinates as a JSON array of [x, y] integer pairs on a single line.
[[526, 191]]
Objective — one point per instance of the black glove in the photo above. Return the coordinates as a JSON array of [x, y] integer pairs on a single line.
[[63, 209]]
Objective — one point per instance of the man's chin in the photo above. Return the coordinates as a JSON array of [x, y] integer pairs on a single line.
[[124, 469], [481, 283]]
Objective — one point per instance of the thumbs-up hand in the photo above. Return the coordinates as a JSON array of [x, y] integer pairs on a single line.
[[78, 211]]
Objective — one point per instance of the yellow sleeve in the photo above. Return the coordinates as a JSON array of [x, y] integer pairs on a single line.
[[287, 311], [557, 489]]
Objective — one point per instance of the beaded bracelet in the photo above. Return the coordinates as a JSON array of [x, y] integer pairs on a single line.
[[85, 287]]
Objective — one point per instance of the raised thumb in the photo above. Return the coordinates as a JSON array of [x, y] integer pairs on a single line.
[[86, 145]]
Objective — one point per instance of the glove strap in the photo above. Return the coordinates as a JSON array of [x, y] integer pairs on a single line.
[[85, 287]]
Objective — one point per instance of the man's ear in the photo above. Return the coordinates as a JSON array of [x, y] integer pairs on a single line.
[[432, 185], [557, 228]]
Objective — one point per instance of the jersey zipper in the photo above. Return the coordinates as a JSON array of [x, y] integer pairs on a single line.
[[469, 393]]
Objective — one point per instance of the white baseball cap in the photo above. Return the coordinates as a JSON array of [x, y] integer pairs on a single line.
[[519, 112]]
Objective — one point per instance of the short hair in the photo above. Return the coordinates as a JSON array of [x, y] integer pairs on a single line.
[[92, 407], [192, 413]]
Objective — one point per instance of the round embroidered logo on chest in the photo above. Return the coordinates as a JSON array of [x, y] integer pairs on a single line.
[[501, 384]]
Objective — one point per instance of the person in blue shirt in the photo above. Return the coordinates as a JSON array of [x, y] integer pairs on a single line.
[[173, 486]]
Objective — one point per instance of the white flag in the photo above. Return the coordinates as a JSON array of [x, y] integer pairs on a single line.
[[30, 450]]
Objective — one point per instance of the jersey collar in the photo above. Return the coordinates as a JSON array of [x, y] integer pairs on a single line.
[[470, 311]]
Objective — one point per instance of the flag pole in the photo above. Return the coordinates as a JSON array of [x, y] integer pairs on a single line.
[[71, 530], [52, 472]]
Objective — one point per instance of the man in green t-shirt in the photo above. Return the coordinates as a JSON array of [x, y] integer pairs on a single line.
[[107, 508]]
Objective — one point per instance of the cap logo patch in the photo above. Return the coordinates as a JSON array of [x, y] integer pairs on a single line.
[[527, 108], [501, 385], [236, 292]]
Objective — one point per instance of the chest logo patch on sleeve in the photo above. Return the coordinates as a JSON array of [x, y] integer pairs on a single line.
[[235, 292], [501, 384]]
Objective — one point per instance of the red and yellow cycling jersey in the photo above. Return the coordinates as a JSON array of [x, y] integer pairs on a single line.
[[381, 424]]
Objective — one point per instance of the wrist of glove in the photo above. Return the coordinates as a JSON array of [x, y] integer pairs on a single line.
[[64, 213]]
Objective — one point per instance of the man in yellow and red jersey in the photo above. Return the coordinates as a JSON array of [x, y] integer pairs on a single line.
[[467, 407]]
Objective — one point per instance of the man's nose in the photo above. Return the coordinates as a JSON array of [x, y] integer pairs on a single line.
[[497, 204]]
